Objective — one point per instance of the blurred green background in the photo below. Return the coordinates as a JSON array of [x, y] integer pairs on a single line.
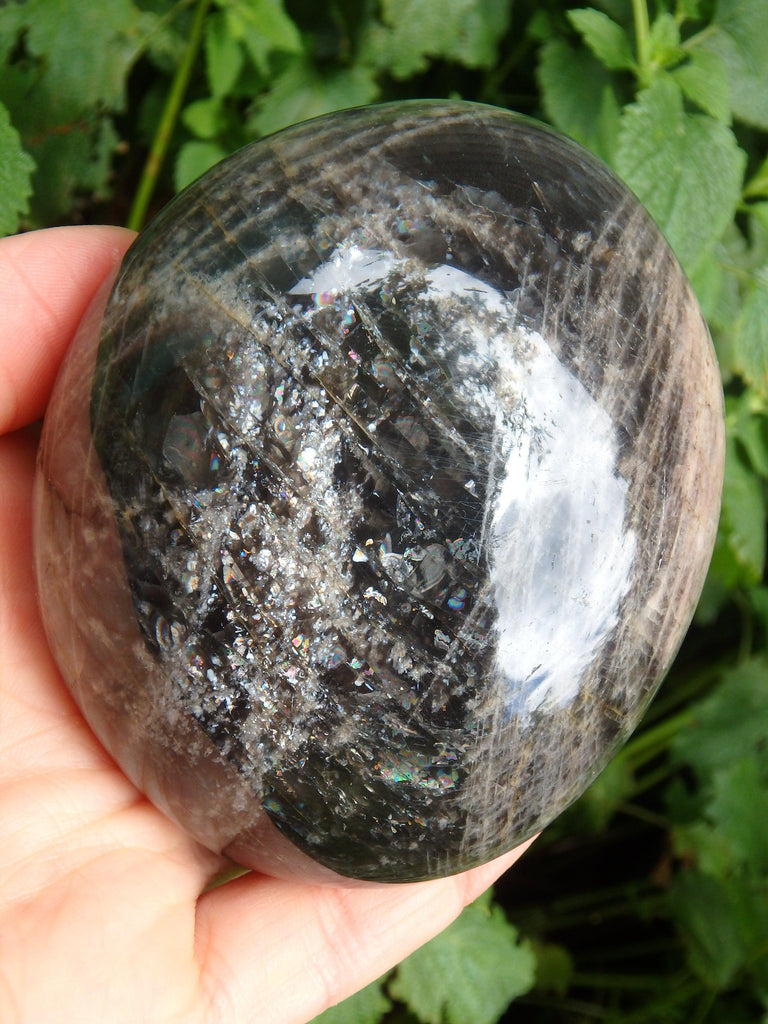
[[647, 901]]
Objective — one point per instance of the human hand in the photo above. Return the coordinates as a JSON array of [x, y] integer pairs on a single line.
[[104, 913]]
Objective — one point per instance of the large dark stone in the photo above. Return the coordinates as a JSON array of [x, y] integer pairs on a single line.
[[376, 498]]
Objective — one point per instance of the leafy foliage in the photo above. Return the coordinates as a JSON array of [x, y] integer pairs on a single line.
[[102, 103], [693, 201], [469, 973], [15, 173], [412, 31], [59, 91], [367, 1006]]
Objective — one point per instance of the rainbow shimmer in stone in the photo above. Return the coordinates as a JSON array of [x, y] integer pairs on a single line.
[[376, 498]]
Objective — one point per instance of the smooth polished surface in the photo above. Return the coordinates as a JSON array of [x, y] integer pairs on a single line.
[[375, 506]]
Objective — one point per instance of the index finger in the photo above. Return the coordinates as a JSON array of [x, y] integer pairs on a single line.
[[47, 280]]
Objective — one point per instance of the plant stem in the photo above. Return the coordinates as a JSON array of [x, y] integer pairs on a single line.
[[603, 979], [494, 78], [682, 989], [650, 905], [651, 742], [653, 778], [641, 813], [683, 687], [747, 625], [573, 1009], [643, 38], [629, 951], [168, 120]]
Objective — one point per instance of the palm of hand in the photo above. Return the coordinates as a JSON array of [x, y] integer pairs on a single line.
[[103, 910]]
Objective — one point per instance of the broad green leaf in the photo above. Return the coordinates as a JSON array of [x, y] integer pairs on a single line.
[[688, 10], [86, 49], [72, 163], [554, 967], [367, 1006], [750, 343], [758, 598], [704, 80], [607, 40], [742, 521], [732, 254], [748, 424], [757, 186], [302, 92], [724, 924], [705, 916], [577, 96], [69, 73], [739, 35], [16, 169], [665, 40], [223, 54], [686, 168], [729, 723], [471, 972], [194, 159], [263, 26], [411, 31], [700, 844], [759, 211], [707, 281], [606, 795], [203, 117], [12, 22], [739, 812]]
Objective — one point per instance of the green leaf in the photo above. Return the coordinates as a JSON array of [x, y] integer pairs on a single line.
[[757, 186], [16, 168], [700, 844], [748, 425], [203, 117], [759, 214], [367, 1006], [688, 10], [469, 973], [71, 63], [686, 168], [85, 49], [71, 164], [302, 92], [465, 31], [707, 281], [758, 598], [223, 54], [264, 27], [665, 40], [577, 96], [739, 812], [728, 724], [194, 159], [607, 40], [738, 34], [704, 80], [743, 516], [731, 254], [750, 343], [605, 796], [554, 968], [705, 915]]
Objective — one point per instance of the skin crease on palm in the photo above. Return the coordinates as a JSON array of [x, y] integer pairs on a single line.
[[104, 915]]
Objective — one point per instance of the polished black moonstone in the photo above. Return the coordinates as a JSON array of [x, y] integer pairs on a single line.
[[376, 497]]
